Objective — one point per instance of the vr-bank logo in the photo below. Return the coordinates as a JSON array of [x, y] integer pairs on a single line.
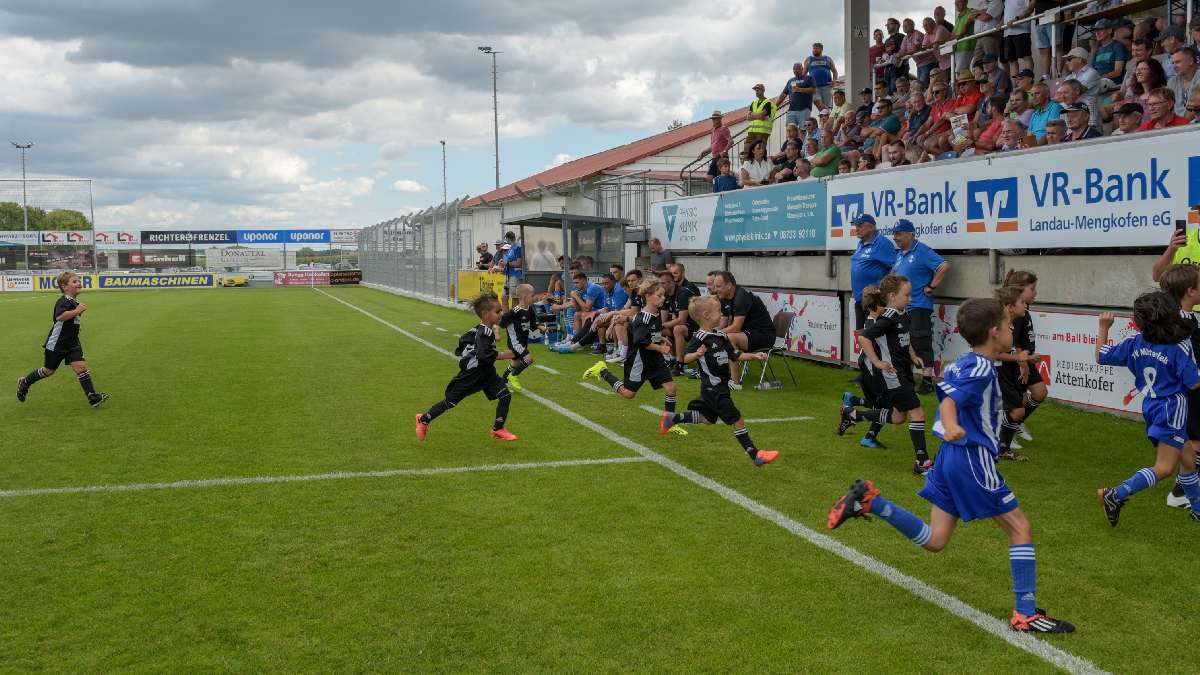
[[845, 209], [669, 213], [992, 205]]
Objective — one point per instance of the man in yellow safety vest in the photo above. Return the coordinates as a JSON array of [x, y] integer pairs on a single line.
[[762, 116], [1184, 248]]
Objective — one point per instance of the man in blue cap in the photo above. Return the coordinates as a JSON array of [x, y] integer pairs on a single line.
[[925, 270], [872, 261]]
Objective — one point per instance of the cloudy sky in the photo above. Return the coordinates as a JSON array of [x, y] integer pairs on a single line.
[[273, 113]]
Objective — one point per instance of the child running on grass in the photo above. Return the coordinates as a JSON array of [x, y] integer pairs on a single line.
[[1160, 358], [476, 370], [647, 347], [872, 305], [62, 344], [1183, 283], [964, 483], [1020, 379], [891, 357], [716, 355], [516, 323]]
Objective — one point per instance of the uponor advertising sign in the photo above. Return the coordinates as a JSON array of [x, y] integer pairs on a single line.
[[786, 216], [1115, 193], [283, 236]]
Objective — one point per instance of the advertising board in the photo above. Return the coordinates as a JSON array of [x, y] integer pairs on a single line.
[[811, 324], [785, 216]]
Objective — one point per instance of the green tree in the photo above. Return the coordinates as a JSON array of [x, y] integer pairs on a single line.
[[65, 219]]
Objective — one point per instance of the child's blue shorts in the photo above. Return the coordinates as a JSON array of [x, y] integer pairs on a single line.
[[964, 482]]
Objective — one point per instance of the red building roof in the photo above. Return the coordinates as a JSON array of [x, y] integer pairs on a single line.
[[608, 160]]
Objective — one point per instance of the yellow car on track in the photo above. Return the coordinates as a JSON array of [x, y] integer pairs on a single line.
[[231, 280]]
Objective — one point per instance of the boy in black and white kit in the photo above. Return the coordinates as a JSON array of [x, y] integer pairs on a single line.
[[476, 371], [62, 344], [712, 349], [517, 324]]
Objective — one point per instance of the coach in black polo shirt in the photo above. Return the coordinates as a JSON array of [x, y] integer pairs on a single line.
[[747, 321]]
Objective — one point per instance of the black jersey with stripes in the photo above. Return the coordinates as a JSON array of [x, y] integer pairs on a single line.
[[890, 336], [1193, 321], [715, 364], [1023, 340], [676, 303], [864, 364], [476, 350], [636, 300], [517, 323], [64, 335]]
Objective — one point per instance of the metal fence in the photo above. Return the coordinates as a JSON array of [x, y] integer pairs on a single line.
[[421, 252]]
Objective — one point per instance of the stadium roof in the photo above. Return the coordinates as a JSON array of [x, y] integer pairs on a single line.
[[607, 160]]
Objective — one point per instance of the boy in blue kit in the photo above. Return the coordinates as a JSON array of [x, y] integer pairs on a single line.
[[964, 483], [1160, 358]]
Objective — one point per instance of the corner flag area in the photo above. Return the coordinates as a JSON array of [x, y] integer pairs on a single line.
[[252, 497]]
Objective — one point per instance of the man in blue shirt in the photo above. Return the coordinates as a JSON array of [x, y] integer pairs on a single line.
[[514, 264], [587, 299], [871, 262], [925, 270], [823, 72], [799, 92]]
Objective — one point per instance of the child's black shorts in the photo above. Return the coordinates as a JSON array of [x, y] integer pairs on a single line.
[[1193, 420], [714, 404], [895, 390], [1012, 389], [640, 370], [69, 354], [465, 384]]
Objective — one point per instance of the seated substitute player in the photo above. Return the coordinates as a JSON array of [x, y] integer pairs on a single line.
[[872, 305], [585, 299], [517, 323], [890, 357], [1182, 281], [62, 344], [1164, 370], [1025, 378], [620, 323], [750, 327], [477, 356], [964, 483], [647, 347], [711, 348], [675, 318], [596, 324]]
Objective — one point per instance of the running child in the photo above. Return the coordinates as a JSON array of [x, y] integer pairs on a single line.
[[1160, 358], [870, 397], [62, 344], [476, 370], [891, 357], [1027, 379], [716, 355], [964, 483], [647, 347], [517, 323], [1183, 283]]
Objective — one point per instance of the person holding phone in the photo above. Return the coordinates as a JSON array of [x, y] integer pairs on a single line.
[[1183, 249]]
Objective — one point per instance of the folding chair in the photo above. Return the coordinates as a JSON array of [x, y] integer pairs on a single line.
[[782, 321]]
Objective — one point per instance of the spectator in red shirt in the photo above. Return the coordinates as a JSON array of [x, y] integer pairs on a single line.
[[718, 144], [938, 141], [1161, 103], [875, 52], [938, 104]]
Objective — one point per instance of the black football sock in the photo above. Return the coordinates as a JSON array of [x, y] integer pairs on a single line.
[[85, 381], [1008, 429], [876, 427], [586, 335], [515, 369], [916, 431], [874, 415], [501, 410], [36, 375], [1030, 407], [669, 403], [1177, 491], [437, 409], [687, 417], [610, 378], [743, 437]]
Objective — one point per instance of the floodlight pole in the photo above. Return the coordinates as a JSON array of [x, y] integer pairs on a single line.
[[495, 110], [24, 199]]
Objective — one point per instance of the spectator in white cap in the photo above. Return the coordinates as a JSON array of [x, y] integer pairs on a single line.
[[1079, 118], [1078, 65]]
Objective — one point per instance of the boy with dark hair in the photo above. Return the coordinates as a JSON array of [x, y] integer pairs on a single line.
[[712, 349], [477, 356], [1164, 370], [964, 483]]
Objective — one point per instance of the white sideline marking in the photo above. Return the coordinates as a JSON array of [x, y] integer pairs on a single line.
[[548, 370], [333, 475], [998, 628], [426, 323], [601, 390], [440, 329], [762, 420]]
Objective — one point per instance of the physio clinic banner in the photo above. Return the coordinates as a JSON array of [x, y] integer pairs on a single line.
[[785, 216], [811, 323], [1113, 193]]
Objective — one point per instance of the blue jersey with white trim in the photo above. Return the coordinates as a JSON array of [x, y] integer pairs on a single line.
[[1159, 371], [971, 382]]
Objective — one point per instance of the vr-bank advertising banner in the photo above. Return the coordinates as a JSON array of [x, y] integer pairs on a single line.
[[786, 216], [1107, 194]]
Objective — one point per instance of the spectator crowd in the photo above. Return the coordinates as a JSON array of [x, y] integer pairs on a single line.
[[1108, 75]]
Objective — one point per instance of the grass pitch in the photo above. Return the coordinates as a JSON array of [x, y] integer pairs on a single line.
[[601, 567]]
